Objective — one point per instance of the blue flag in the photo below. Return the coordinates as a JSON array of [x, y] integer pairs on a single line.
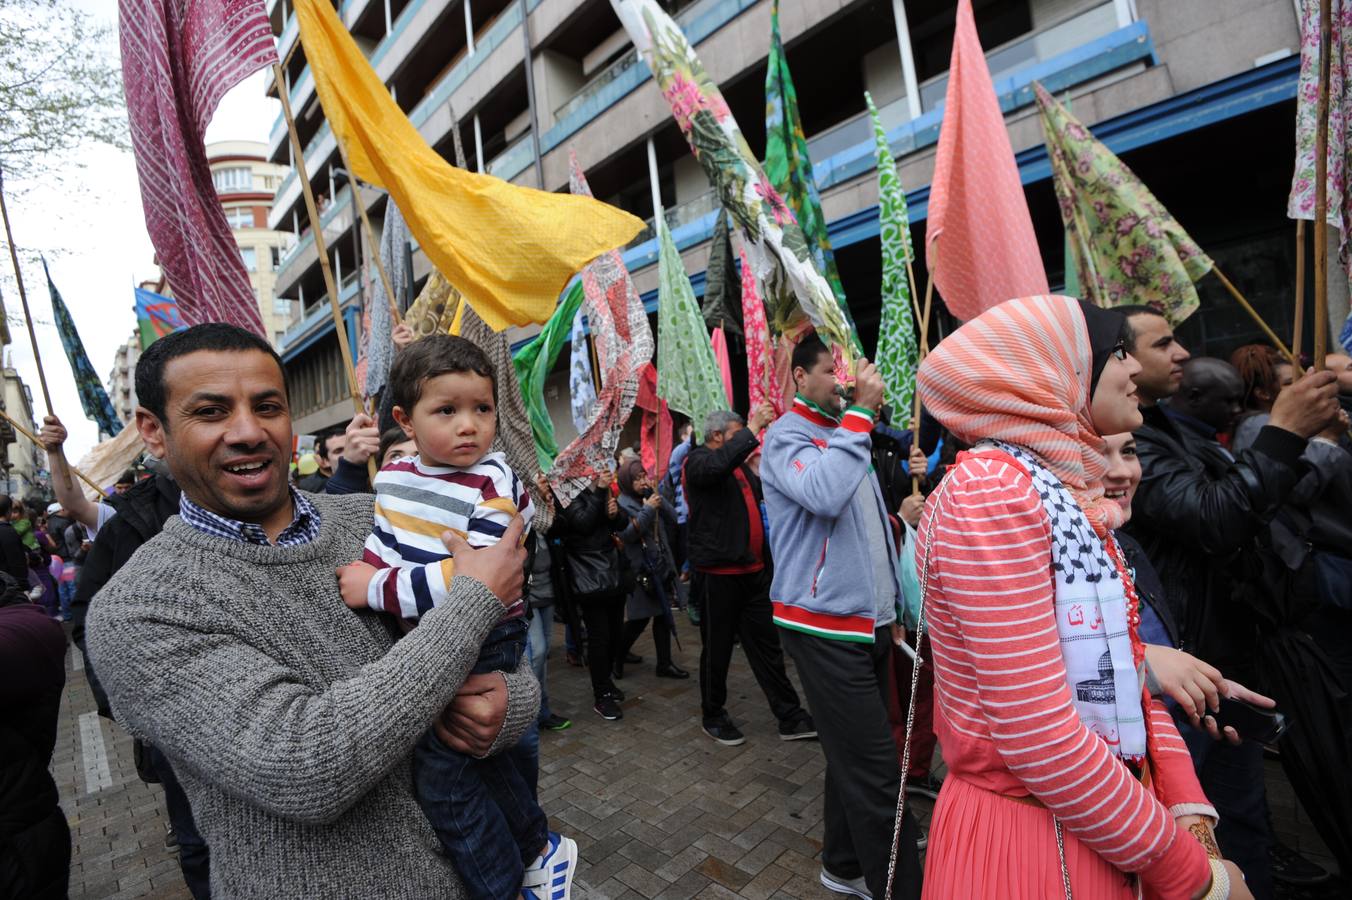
[[93, 397], [156, 316]]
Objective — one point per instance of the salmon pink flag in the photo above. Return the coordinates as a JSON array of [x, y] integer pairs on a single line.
[[719, 341], [979, 238]]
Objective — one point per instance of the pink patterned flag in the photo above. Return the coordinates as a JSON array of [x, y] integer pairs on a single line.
[[719, 341], [760, 372], [178, 60], [624, 345], [979, 238]]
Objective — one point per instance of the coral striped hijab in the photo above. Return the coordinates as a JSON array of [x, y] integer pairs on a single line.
[[1020, 372]]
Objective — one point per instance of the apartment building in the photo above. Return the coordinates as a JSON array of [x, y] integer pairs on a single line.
[[1197, 97], [122, 377], [23, 462], [246, 183]]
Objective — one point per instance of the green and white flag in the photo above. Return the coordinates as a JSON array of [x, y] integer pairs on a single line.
[[898, 355], [688, 377], [789, 167]]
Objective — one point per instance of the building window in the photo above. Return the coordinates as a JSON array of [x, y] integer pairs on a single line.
[[240, 217], [281, 306], [235, 178], [276, 258], [250, 257]]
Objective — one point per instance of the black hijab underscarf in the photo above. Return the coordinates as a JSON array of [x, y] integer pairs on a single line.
[[1107, 329]]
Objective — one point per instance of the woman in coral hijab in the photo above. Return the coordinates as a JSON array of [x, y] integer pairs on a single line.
[[1065, 778]]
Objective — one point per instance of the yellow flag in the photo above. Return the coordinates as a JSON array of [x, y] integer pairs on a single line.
[[510, 250]]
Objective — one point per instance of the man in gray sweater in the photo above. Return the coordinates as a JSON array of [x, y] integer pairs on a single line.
[[289, 718]]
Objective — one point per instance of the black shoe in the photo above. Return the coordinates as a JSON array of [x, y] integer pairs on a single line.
[[556, 723], [1289, 867], [608, 709], [801, 730], [671, 670], [633, 659], [722, 730], [614, 694], [927, 786]]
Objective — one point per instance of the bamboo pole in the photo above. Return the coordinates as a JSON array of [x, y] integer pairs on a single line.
[[1253, 313], [34, 438], [374, 252], [1321, 199], [1298, 326], [317, 227]]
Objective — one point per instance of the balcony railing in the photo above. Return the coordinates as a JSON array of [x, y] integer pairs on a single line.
[[514, 160]]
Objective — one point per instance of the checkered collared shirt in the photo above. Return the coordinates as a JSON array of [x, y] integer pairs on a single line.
[[303, 528]]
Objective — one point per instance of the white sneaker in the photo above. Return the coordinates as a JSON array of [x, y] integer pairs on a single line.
[[855, 887], [550, 877]]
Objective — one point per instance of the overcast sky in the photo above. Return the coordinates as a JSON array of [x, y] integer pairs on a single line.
[[91, 227]]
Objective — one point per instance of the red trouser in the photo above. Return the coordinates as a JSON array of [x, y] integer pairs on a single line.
[[899, 698]]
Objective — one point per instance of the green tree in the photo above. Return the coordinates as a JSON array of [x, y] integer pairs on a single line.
[[60, 86]]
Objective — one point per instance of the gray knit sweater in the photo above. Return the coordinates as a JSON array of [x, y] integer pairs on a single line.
[[289, 718]]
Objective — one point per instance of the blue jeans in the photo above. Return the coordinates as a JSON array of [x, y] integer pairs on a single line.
[[66, 591], [194, 857], [537, 642], [1232, 779], [484, 811]]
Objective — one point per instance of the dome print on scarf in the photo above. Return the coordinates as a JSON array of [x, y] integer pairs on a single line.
[[1020, 373]]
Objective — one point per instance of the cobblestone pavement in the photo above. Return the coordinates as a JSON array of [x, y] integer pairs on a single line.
[[657, 809]]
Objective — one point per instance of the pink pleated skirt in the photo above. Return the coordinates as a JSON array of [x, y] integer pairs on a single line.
[[982, 844]]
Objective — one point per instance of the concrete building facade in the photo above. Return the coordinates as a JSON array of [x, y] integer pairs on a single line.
[[246, 183], [122, 378], [1198, 98], [23, 463]]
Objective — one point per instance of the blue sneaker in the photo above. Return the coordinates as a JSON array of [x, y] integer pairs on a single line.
[[550, 877]]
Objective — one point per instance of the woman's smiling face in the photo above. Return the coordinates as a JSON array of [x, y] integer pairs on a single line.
[[1124, 470]]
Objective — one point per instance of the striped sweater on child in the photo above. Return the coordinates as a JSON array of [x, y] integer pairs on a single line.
[[415, 503]]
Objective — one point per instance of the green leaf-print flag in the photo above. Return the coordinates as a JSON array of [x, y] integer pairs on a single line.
[[898, 355], [1126, 245], [796, 294], [533, 363], [790, 168], [688, 377]]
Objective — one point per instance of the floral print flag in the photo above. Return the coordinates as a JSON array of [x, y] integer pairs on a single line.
[[760, 366], [687, 373], [897, 354], [1127, 247], [1301, 203], [774, 243], [790, 168]]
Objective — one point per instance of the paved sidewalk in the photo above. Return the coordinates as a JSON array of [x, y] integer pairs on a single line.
[[657, 808]]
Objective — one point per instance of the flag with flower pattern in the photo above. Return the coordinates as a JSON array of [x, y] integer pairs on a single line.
[[1128, 249], [688, 377], [795, 291], [897, 354], [789, 166]]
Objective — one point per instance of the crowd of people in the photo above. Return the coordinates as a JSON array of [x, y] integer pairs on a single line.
[[1086, 575]]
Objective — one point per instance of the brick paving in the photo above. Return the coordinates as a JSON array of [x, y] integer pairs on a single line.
[[658, 809]]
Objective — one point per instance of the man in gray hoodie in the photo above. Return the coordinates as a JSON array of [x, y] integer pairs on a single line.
[[289, 718]]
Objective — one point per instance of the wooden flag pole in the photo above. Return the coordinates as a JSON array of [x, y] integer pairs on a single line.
[[1298, 326], [370, 234], [317, 228], [28, 318], [1321, 198], [23, 297], [915, 306], [34, 438], [924, 349], [1253, 313]]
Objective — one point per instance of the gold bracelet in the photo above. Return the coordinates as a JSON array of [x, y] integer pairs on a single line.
[[1206, 839]]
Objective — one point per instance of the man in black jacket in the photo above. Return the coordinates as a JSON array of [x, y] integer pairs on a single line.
[[1198, 511], [731, 560], [13, 559], [141, 514]]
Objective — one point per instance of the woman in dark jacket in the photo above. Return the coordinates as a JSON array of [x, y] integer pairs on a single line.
[[595, 578], [645, 545]]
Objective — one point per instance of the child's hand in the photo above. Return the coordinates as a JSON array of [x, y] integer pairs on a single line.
[[353, 581]]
